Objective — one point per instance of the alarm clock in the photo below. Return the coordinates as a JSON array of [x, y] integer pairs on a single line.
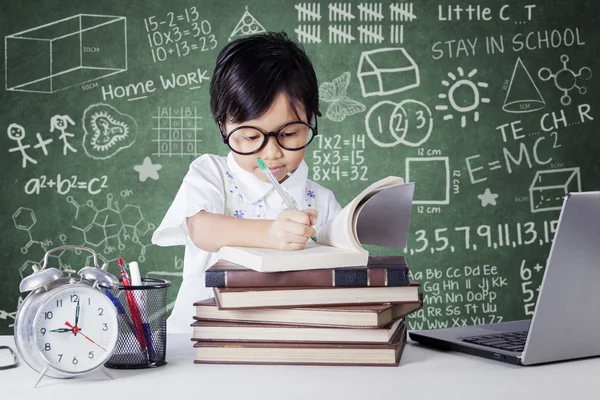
[[67, 326]]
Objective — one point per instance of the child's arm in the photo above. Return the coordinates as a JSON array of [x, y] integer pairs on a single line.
[[289, 231]]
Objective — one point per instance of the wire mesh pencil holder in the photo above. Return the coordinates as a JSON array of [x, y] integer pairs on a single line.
[[142, 340]]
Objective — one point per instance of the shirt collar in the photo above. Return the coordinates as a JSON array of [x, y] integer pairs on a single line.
[[253, 189]]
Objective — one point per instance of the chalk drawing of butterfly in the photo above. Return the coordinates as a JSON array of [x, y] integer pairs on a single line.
[[341, 106]]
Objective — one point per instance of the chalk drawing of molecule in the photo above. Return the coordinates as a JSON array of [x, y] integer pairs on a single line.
[[565, 79], [111, 227], [107, 230]]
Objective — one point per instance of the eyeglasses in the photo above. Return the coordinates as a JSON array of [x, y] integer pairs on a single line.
[[293, 136]]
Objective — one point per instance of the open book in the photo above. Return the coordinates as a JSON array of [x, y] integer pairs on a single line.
[[379, 215]]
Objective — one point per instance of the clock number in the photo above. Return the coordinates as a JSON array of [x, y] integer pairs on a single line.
[[101, 311], [60, 357], [59, 303], [105, 326], [47, 347], [74, 298], [89, 301], [75, 361], [43, 331], [91, 355], [48, 315]]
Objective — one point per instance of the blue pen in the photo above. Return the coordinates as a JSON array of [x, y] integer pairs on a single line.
[[148, 335], [120, 309]]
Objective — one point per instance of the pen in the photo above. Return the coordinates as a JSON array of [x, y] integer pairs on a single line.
[[136, 280], [133, 307], [277, 187], [120, 309]]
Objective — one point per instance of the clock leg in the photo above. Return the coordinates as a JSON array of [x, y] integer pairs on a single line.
[[103, 369], [41, 376]]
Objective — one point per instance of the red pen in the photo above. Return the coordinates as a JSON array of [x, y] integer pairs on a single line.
[[133, 307]]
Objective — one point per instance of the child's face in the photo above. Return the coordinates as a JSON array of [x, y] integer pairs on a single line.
[[279, 160]]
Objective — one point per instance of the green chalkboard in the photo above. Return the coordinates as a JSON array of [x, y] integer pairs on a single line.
[[490, 107]]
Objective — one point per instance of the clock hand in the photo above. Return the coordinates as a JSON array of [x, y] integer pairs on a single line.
[[77, 314], [61, 330], [77, 330]]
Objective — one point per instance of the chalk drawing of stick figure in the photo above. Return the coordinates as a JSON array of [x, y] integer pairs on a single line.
[[17, 133], [61, 122]]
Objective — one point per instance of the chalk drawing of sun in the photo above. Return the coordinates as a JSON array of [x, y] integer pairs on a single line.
[[464, 101]]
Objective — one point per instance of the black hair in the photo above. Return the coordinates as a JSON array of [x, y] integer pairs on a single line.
[[251, 71]]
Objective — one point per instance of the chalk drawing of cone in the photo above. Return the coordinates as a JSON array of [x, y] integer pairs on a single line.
[[522, 95]]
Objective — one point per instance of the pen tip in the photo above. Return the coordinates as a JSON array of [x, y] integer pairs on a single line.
[[261, 163], [120, 262]]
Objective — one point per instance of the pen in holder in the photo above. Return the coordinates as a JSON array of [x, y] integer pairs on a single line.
[[142, 336]]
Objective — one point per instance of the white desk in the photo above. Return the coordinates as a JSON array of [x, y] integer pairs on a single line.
[[422, 374]]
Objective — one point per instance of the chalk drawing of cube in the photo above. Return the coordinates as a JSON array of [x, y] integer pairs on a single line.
[[387, 71], [431, 176], [549, 187], [65, 53]]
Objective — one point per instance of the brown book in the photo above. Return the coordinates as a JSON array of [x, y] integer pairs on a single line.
[[358, 316], [380, 271], [243, 332], [310, 297], [388, 354]]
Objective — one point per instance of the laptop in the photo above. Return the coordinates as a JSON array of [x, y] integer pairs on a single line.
[[565, 323]]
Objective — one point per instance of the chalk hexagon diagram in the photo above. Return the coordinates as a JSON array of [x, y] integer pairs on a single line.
[[107, 131], [65, 53]]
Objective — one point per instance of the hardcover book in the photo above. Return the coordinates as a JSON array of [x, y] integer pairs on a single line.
[[379, 271], [244, 332], [379, 215], [309, 297], [355, 316], [387, 354]]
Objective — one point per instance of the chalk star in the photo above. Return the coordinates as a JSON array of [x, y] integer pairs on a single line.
[[148, 170], [487, 198]]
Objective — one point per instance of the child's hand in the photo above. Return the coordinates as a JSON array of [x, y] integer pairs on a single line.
[[292, 229]]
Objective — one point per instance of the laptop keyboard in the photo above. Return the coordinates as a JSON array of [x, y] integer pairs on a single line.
[[511, 341]]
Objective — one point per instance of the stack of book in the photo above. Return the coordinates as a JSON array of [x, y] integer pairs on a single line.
[[329, 303], [338, 316]]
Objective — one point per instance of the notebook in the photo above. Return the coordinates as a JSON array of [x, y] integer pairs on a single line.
[[379, 215], [564, 325]]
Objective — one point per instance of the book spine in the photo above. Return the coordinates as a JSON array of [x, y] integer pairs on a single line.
[[309, 278]]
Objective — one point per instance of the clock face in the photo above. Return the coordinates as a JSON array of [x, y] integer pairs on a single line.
[[76, 329]]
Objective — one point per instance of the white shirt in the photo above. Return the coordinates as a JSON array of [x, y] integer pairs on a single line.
[[219, 185]]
